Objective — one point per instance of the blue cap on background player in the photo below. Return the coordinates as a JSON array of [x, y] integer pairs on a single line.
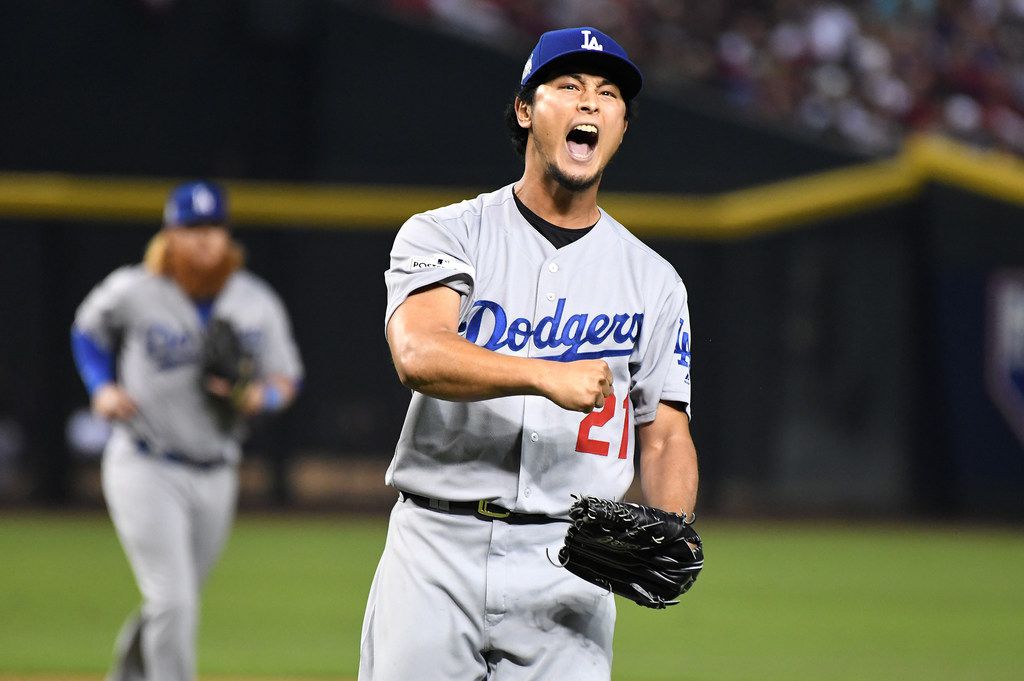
[[585, 44], [196, 203]]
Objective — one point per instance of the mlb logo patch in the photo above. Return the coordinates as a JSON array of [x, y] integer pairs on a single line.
[[1004, 356]]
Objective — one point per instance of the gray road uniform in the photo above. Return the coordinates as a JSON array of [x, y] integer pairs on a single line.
[[170, 474], [479, 599]]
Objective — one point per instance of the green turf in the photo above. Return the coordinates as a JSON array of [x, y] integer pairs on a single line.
[[775, 602], [794, 603]]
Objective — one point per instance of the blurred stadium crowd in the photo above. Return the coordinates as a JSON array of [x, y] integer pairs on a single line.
[[866, 73]]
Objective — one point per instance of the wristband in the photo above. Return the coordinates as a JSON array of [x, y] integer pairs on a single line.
[[272, 398]]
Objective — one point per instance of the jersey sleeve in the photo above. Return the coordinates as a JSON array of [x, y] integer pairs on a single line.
[[101, 316], [425, 252], [95, 365], [663, 370], [280, 353]]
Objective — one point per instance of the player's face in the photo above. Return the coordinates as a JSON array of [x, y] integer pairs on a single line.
[[203, 246], [576, 122]]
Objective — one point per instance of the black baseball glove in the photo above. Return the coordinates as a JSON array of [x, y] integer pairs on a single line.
[[645, 554], [226, 367]]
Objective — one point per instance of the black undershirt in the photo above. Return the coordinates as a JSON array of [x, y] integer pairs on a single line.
[[558, 236]]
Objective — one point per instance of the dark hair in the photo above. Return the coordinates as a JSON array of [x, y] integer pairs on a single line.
[[518, 135]]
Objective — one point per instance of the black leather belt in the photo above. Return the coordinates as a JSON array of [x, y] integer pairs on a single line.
[[482, 509], [178, 457]]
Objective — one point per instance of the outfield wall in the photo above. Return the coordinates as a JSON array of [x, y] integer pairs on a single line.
[[856, 326], [841, 324]]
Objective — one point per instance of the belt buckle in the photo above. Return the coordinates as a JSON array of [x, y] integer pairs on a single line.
[[483, 507]]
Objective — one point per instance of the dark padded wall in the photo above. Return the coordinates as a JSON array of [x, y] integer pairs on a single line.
[[836, 367]]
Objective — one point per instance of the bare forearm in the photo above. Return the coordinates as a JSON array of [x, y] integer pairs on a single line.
[[433, 359], [668, 474], [446, 366]]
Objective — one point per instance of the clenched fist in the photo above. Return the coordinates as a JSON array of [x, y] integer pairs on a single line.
[[582, 385]]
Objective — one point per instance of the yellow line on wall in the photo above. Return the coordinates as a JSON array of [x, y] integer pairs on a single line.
[[993, 174], [768, 208], [735, 214], [48, 196]]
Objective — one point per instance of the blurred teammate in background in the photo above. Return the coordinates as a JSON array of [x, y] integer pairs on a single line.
[[536, 332], [170, 469]]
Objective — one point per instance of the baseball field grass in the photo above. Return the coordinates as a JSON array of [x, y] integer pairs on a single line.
[[796, 601]]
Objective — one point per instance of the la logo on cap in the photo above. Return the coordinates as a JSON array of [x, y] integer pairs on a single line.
[[203, 200], [590, 42], [527, 68]]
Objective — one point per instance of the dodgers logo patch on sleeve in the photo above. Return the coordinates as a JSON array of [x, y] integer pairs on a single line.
[[683, 344], [683, 348]]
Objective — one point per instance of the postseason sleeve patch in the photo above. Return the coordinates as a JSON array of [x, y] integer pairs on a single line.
[[437, 261]]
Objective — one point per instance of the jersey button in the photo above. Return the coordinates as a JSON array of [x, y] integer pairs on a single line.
[[551, 296], [534, 437], [526, 491], [553, 267]]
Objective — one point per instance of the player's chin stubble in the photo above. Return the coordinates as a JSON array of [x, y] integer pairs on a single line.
[[572, 184]]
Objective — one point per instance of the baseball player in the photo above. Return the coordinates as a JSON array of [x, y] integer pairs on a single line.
[[170, 468], [536, 334]]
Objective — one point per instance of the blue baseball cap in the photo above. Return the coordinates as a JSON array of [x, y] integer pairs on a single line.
[[196, 203], [582, 45]]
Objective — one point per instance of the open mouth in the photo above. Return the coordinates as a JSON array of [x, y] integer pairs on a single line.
[[582, 141]]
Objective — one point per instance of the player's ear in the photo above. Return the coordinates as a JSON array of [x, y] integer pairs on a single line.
[[524, 113]]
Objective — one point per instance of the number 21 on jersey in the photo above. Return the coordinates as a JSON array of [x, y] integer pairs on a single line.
[[596, 419]]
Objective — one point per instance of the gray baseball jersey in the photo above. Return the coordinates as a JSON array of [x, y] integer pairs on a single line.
[[604, 296], [160, 336]]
